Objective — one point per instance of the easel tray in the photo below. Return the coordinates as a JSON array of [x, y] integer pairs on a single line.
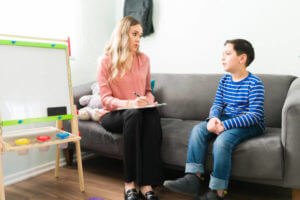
[[32, 134]]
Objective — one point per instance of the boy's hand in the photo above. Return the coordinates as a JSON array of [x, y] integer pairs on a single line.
[[219, 129], [213, 124]]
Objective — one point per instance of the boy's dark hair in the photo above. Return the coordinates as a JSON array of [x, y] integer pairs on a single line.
[[242, 46]]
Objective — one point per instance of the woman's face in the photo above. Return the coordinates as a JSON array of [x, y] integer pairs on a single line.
[[135, 34]]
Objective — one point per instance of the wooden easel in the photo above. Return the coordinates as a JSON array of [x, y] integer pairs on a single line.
[[9, 145]]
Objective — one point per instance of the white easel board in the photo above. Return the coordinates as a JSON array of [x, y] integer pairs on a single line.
[[33, 77], [35, 86]]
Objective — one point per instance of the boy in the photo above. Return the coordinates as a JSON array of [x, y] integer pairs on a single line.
[[237, 114]]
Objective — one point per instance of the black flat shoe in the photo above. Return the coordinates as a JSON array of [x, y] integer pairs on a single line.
[[148, 196], [131, 194]]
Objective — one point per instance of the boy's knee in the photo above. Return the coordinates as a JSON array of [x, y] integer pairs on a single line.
[[221, 143], [203, 126], [199, 130]]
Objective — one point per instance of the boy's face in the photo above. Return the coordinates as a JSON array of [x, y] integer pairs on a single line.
[[231, 61]]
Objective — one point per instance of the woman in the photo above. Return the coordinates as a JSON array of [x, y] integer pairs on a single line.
[[124, 81]]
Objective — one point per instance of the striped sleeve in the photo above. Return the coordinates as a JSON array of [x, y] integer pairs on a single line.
[[217, 108], [256, 109]]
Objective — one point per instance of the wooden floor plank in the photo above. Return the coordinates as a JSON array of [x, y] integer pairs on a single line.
[[104, 179]]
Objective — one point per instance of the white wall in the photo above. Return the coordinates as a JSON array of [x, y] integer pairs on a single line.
[[87, 22], [96, 21], [189, 34]]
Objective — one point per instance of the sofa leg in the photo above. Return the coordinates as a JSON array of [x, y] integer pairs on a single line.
[[296, 194], [68, 153]]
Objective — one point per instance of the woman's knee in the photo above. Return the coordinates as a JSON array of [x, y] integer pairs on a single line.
[[151, 111], [133, 114], [151, 114]]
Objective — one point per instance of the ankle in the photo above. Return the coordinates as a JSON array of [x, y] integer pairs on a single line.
[[145, 189], [128, 186], [221, 193], [200, 176]]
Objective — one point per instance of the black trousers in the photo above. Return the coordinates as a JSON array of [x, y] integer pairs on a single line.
[[142, 141]]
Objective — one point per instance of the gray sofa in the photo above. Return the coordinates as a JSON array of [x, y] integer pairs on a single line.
[[273, 158]]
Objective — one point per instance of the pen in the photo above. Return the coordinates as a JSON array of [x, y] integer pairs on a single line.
[[136, 94]]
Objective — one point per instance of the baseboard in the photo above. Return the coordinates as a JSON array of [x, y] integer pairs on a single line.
[[28, 173], [34, 171]]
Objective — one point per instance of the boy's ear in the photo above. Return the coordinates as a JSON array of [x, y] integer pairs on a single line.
[[243, 58]]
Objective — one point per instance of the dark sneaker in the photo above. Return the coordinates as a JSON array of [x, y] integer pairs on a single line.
[[210, 195], [189, 184]]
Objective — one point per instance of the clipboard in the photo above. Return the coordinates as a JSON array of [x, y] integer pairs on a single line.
[[144, 107]]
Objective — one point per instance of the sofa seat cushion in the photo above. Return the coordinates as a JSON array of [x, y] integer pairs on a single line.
[[176, 133], [95, 138], [259, 157]]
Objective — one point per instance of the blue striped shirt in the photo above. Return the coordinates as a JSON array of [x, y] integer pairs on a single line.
[[243, 101]]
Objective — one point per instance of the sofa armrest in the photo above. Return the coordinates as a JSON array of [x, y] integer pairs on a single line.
[[290, 136], [81, 90]]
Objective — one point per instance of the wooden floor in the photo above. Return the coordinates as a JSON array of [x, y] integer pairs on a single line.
[[103, 179]]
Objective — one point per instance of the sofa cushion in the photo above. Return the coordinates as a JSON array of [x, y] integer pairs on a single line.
[[279, 85], [190, 96], [176, 133], [262, 154], [95, 138], [259, 157]]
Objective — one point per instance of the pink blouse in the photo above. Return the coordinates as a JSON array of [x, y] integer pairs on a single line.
[[115, 95]]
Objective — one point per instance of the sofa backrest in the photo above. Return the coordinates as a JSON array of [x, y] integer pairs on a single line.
[[190, 96]]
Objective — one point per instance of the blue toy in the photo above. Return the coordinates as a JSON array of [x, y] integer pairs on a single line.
[[62, 135]]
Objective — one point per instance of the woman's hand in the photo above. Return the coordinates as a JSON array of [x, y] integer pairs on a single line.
[[138, 102]]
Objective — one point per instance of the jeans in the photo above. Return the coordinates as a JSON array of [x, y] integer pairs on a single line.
[[222, 149]]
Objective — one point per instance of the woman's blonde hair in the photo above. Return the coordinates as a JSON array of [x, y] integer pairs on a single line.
[[118, 47]]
